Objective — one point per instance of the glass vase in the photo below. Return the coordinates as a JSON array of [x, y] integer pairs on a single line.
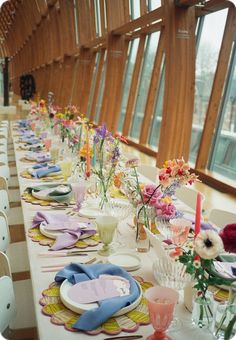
[[224, 326], [202, 314], [143, 219]]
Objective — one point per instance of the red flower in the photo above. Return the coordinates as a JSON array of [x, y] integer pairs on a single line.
[[228, 235]]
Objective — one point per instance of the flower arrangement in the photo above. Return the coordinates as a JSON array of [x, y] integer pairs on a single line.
[[198, 259], [108, 155]]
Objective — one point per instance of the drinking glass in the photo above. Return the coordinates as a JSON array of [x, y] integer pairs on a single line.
[[161, 304], [106, 226], [66, 168], [179, 230], [54, 152], [79, 190]]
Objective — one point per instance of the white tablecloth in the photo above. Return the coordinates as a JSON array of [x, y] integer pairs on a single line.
[[40, 280]]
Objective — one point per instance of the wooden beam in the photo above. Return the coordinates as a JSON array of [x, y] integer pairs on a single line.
[[186, 3], [144, 20], [217, 89], [176, 125]]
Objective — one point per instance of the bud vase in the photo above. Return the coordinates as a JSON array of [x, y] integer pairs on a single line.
[[144, 218], [202, 314]]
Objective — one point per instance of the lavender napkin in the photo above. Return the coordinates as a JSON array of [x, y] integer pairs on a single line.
[[38, 156], [44, 170], [69, 236]]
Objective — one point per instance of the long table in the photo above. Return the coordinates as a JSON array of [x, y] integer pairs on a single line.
[[41, 280]]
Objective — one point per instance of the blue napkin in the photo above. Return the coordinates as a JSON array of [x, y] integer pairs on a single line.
[[23, 123], [93, 318], [42, 170]]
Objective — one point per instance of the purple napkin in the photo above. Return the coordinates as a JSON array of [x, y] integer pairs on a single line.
[[204, 225], [69, 236]]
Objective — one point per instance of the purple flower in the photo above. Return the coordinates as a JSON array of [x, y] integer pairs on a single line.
[[147, 193], [115, 155], [102, 131]]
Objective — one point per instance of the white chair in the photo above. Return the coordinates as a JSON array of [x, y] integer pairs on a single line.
[[188, 196], [4, 232], [7, 296], [222, 217], [149, 171], [12, 294]]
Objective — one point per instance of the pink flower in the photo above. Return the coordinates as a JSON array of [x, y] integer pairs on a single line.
[[147, 193], [165, 209]]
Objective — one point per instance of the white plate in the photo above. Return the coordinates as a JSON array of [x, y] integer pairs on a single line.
[[90, 212], [53, 234], [43, 194], [81, 308], [126, 260]]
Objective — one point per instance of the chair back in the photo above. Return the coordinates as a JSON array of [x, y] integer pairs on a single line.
[[4, 232], [222, 217], [5, 268], [5, 172], [4, 201], [188, 196], [8, 303]]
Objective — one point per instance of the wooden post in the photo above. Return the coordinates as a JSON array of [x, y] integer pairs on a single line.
[[176, 125]]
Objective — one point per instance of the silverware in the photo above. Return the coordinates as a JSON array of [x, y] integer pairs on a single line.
[[129, 337]]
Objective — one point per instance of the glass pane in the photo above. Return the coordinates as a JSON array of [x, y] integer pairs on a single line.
[[206, 62], [153, 4], [97, 17], [223, 160], [134, 6], [133, 47], [157, 117], [149, 57], [94, 80], [101, 90], [76, 22]]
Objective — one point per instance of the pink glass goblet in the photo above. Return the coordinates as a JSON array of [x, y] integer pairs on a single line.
[[161, 303], [179, 230]]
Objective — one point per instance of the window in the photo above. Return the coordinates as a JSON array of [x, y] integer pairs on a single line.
[[101, 90], [223, 156], [133, 47], [149, 56], [97, 18], [206, 62], [153, 4], [157, 117], [94, 80], [134, 6], [76, 22]]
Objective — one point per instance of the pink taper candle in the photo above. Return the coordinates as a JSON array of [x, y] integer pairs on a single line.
[[88, 160], [198, 215]]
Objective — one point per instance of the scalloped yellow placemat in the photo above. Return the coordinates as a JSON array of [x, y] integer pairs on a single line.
[[28, 198], [61, 315], [26, 160], [47, 178], [37, 236]]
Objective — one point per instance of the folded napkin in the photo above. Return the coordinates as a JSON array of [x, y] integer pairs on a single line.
[[227, 269], [72, 228], [52, 192], [23, 123], [93, 318], [44, 170], [204, 225], [38, 156]]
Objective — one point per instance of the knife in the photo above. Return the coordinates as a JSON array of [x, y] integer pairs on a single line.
[[129, 337]]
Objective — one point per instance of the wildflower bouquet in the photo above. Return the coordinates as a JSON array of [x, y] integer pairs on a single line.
[[108, 155]]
